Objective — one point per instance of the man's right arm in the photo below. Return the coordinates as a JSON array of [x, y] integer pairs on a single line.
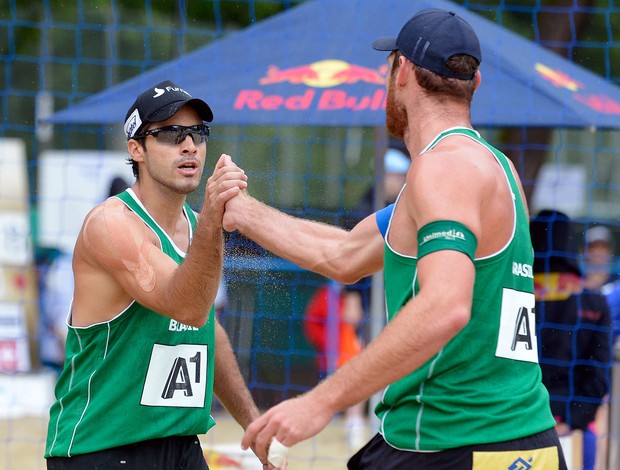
[[315, 246], [118, 259]]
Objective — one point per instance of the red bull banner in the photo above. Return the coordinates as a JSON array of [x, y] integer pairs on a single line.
[[315, 88]]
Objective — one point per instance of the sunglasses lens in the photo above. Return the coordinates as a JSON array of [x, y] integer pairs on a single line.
[[197, 136], [177, 134], [167, 136]]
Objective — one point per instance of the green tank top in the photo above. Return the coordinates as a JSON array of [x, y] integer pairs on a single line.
[[485, 385], [138, 376]]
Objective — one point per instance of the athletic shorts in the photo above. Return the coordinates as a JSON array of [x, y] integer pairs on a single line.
[[169, 453], [540, 451]]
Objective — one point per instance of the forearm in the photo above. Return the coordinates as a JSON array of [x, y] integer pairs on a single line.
[[194, 285], [327, 250], [302, 242], [420, 329], [229, 385], [405, 344]]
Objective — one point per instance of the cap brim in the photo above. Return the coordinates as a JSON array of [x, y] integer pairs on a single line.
[[384, 44], [203, 109]]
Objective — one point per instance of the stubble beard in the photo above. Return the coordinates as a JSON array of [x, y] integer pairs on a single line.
[[183, 187]]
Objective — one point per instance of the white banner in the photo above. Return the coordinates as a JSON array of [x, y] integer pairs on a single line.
[[14, 352], [15, 238]]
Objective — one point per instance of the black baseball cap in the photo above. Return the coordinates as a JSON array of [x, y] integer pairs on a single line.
[[431, 37], [159, 103]]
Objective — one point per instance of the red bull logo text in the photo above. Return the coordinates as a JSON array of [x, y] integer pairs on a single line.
[[599, 103], [318, 77]]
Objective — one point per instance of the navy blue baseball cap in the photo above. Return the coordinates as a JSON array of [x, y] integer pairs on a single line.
[[431, 37], [159, 103]]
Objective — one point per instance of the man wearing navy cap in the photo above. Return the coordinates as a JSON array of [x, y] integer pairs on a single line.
[[141, 362], [458, 360]]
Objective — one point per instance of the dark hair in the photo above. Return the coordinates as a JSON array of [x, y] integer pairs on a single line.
[[130, 161], [461, 64]]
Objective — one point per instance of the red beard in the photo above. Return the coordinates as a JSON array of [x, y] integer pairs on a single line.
[[396, 119]]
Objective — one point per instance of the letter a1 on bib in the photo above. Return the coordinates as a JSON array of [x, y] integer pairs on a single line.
[[517, 330]]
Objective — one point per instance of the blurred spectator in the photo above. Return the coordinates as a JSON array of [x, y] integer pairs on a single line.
[[598, 257], [574, 331], [117, 185], [331, 319], [599, 269], [317, 326], [56, 295]]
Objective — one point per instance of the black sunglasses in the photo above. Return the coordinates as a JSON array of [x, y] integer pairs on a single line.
[[177, 134]]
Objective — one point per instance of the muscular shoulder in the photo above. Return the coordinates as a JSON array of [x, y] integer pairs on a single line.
[[106, 219], [452, 174], [112, 233], [461, 180], [458, 159]]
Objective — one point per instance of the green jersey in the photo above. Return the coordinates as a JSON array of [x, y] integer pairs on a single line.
[[485, 385], [136, 377]]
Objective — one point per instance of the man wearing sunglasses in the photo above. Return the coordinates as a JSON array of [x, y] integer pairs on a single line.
[[141, 365]]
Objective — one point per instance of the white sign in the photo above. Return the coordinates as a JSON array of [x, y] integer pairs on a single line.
[[15, 234], [15, 238], [26, 394], [13, 175], [71, 183], [561, 187]]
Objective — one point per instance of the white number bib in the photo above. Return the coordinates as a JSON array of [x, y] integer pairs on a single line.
[[176, 377], [517, 329]]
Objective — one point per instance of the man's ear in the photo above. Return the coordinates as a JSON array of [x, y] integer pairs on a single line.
[[135, 150], [477, 78], [405, 68]]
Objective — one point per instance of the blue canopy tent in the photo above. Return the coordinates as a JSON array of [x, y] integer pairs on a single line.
[[313, 65]]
